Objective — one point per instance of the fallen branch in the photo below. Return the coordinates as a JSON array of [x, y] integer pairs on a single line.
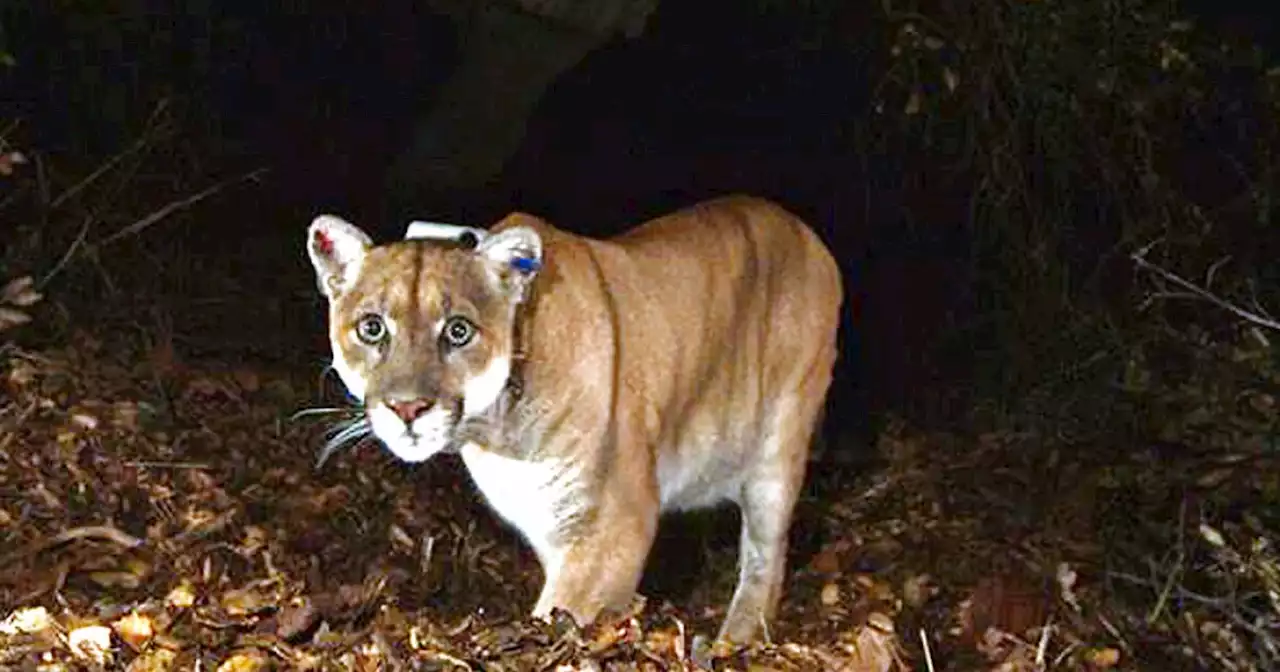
[[1196, 291]]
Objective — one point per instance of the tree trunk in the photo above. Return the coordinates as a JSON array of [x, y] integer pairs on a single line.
[[508, 59]]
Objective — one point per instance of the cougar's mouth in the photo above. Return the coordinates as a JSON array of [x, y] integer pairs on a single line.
[[416, 437]]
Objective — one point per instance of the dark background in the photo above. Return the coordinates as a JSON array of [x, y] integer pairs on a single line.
[[709, 99]]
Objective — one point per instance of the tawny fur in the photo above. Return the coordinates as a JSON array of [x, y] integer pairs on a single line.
[[678, 366]]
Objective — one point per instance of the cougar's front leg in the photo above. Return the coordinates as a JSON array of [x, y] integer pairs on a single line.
[[600, 566]]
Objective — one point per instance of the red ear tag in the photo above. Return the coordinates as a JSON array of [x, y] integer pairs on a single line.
[[324, 243]]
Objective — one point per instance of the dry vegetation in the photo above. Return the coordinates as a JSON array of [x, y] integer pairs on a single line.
[[1114, 505]]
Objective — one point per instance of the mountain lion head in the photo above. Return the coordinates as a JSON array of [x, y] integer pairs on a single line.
[[422, 330]]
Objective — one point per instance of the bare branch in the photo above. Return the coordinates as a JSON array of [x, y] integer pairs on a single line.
[[137, 146], [70, 252], [181, 204], [1140, 258]]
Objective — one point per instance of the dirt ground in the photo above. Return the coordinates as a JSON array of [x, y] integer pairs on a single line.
[[161, 508]]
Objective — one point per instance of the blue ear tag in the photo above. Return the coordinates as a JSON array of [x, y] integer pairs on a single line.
[[525, 265]]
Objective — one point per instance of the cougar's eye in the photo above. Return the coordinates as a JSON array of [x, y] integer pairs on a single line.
[[371, 330], [458, 331]]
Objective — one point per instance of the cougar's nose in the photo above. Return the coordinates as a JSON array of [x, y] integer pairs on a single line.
[[411, 409]]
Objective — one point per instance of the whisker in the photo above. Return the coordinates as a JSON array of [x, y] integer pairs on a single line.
[[307, 412], [349, 429], [343, 435], [356, 426]]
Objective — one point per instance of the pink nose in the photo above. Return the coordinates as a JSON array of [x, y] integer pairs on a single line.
[[410, 410]]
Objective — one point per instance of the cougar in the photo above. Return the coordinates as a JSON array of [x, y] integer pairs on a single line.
[[591, 384]]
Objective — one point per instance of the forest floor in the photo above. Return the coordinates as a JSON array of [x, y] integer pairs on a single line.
[[160, 508]]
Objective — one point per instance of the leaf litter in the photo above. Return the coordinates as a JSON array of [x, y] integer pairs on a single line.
[[141, 537]]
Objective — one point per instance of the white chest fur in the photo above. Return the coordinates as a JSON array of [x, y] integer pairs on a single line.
[[537, 498]]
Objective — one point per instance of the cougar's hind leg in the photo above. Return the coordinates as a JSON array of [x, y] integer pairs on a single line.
[[767, 502]]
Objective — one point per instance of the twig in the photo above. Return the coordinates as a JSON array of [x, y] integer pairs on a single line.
[[1253, 299], [142, 464], [95, 531], [395, 662], [1115, 632], [106, 167], [42, 190], [1140, 258], [1062, 655], [1175, 573], [441, 655], [146, 222], [928, 655], [99, 172], [1213, 271], [1222, 605], [1043, 646], [66, 256], [20, 418], [202, 529], [104, 532]]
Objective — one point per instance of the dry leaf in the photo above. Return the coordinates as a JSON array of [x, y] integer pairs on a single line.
[[917, 590], [297, 618], [244, 602], [156, 660], [1103, 659], [21, 374], [92, 642], [136, 630], [182, 596], [913, 104], [10, 318], [1006, 602], [951, 79], [246, 661], [10, 159], [20, 292], [1215, 477], [828, 560], [875, 646], [116, 579], [84, 421], [1212, 535], [665, 642], [1263, 403], [247, 379], [1067, 577], [26, 621], [830, 595], [125, 415]]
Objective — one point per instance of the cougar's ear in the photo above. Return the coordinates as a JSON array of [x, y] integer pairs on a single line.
[[515, 256], [337, 248]]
